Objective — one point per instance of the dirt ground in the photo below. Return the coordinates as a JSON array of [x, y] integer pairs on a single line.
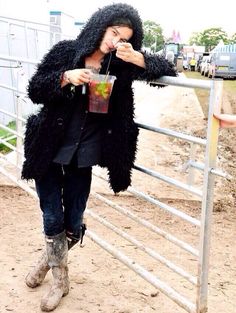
[[101, 283]]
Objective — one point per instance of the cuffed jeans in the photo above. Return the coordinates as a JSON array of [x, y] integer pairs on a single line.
[[63, 193]]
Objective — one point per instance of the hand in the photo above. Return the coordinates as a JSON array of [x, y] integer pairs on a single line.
[[79, 76], [125, 51], [226, 120]]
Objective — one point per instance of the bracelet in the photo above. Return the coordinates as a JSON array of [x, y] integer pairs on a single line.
[[66, 78]]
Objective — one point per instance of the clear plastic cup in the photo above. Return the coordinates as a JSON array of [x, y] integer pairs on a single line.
[[100, 89]]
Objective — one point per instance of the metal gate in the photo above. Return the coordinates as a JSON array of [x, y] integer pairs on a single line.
[[11, 169]]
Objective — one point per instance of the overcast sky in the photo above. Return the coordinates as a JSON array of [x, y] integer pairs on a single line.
[[184, 16]]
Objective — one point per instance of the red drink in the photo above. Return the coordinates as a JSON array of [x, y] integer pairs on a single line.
[[100, 89]]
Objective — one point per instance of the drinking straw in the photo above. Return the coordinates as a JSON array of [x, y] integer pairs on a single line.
[[83, 89], [108, 65], [106, 77]]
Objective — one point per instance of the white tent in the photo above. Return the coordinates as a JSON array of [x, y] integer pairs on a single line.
[[225, 48]]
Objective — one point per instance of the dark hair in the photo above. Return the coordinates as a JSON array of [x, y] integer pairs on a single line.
[[93, 31], [122, 21]]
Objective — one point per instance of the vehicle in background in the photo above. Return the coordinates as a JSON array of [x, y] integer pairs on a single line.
[[200, 59], [169, 51], [170, 56], [222, 64], [172, 51]]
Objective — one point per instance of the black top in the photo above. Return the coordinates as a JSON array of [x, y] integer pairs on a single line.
[[83, 137]]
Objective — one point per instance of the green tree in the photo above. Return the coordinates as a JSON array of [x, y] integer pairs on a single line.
[[233, 38], [211, 37], [195, 39], [153, 36]]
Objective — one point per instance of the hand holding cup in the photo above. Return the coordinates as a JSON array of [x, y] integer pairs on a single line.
[[79, 76]]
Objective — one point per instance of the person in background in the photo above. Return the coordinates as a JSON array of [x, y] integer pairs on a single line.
[[185, 64], [198, 63], [64, 140], [192, 64], [226, 120]]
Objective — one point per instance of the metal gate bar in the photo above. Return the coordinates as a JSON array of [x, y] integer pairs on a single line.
[[173, 133], [149, 225], [141, 271], [169, 180], [142, 247]]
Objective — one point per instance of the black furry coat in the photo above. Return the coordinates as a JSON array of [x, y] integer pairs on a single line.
[[45, 130]]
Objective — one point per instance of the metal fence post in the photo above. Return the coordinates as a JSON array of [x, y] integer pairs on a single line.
[[207, 199], [19, 126]]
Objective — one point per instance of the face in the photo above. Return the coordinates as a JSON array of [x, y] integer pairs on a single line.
[[113, 36]]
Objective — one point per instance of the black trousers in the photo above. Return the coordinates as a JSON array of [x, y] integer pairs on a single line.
[[63, 194]]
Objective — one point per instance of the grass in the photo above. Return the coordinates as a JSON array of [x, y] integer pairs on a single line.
[[5, 134], [202, 94], [229, 86]]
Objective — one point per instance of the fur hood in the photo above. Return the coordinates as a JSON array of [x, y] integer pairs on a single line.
[[96, 26]]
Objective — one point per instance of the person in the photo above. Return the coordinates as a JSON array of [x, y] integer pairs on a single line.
[[199, 62], [185, 64], [64, 140], [192, 64], [226, 120]]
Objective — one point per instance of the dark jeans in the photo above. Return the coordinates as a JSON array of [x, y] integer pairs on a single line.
[[63, 194]]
